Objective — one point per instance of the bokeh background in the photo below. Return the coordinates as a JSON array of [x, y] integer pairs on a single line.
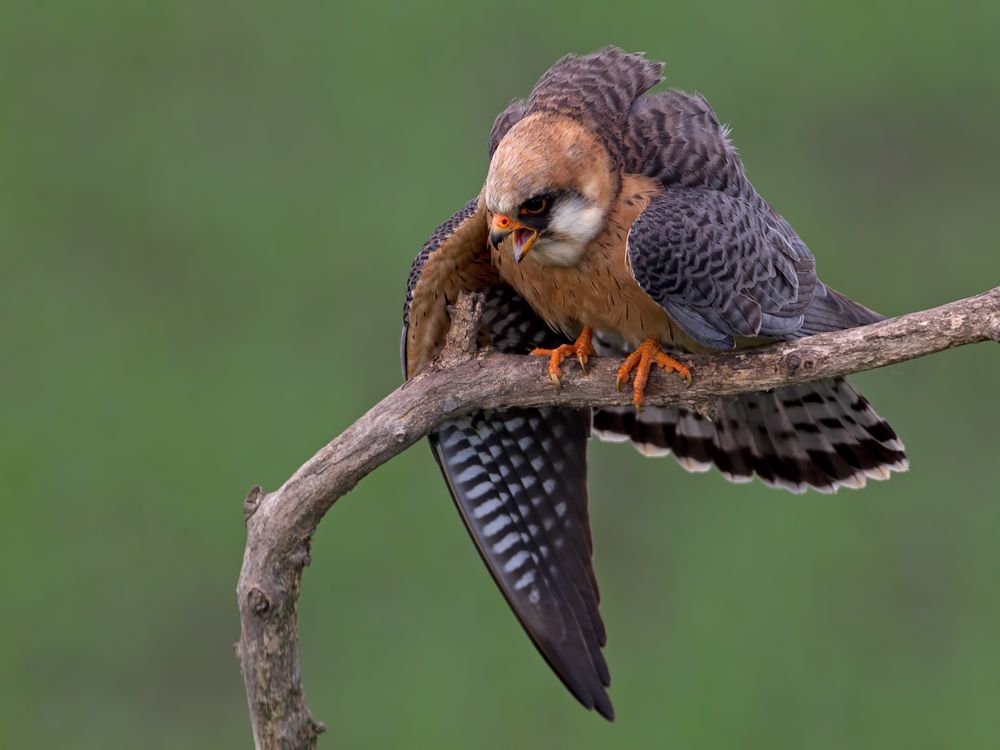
[[207, 215]]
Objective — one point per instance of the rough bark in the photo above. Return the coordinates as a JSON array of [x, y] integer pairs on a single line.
[[280, 524]]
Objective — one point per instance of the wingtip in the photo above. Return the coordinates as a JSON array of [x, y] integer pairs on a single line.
[[602, 704], [594, 698], [593, 694]]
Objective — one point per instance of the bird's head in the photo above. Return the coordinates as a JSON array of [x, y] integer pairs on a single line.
[[549, 190]]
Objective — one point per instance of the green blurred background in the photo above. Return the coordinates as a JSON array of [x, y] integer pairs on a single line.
[[207, 215]]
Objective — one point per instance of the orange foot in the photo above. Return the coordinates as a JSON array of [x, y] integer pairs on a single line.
[[582, 349], [642, 360]]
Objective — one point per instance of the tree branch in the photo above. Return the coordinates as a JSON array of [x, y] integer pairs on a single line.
[[280, 524]]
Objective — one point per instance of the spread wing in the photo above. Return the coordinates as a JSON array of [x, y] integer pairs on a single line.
[[518, 476], [720, 267]]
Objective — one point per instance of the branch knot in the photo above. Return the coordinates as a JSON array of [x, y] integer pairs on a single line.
[[258, 601], [802, 361]]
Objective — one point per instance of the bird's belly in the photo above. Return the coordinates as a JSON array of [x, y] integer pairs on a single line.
[[570, 298], [631, 319]]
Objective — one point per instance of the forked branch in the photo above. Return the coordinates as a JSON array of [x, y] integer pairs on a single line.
[[280, 524]]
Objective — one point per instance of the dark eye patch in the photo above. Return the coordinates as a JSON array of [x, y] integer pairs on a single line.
[[536, 206]]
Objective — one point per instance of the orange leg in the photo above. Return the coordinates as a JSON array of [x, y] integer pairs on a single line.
[[642, 361], [582, 349]]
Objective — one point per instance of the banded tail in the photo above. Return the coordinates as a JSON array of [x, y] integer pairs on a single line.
[[823, 435]]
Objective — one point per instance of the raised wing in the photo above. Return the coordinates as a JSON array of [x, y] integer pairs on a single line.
[[721, 267], [597, 90], [518, 477], [676, 138]]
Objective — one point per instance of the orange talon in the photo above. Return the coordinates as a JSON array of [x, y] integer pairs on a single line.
[[642, 361], [582, 348]]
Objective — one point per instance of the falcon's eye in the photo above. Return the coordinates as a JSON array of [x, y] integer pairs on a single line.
[[535, 206]]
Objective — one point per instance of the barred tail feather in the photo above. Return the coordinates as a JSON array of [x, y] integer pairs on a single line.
[[822, 435]]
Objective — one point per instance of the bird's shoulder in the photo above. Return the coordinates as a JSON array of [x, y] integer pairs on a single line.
[[637, 191]]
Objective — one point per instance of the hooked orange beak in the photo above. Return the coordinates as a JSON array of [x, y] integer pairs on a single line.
[[524, 237]]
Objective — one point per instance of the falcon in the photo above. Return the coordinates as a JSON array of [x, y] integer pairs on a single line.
[[621, 223]]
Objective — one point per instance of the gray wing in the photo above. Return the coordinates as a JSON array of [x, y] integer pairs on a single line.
[[676, 138], [720, 267], [518, 476]]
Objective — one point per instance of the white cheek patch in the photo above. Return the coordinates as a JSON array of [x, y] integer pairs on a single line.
[[576, 219], [576, 224]]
